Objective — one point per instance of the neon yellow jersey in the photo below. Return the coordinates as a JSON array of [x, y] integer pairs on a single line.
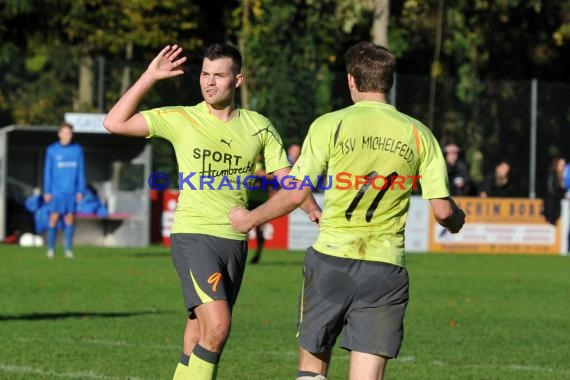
[[372, 156], [214, 158]]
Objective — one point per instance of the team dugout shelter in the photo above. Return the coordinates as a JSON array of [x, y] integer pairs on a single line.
[[116, 170]]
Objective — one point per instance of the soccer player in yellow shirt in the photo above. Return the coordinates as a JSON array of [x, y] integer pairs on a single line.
[[354, 274], [216, 145]]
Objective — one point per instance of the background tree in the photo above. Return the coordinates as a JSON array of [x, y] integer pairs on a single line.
[[291, 50], [461, 64], [54, 59], [379, 31], [482, 42]]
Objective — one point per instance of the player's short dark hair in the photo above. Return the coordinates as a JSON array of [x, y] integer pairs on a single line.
[[65, 124], [221, 50], [372, 66]]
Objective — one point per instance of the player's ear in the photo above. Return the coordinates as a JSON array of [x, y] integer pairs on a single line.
[[351, 81], [239, 79]]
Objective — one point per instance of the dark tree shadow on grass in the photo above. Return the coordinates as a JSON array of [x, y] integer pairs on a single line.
[[123, 255], [77, 314]]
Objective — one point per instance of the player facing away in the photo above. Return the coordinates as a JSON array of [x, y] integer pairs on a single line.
[[64, 185], [354, 274], [216, 145]]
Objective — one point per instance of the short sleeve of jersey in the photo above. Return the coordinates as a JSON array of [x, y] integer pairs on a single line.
[[432, 168], [274, 154], [315, 153], [162, 122]]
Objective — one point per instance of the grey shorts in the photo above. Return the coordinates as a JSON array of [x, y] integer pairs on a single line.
[[210, 268], [366, 298]]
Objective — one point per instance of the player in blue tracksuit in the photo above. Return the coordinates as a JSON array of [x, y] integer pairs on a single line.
[[64, 185]]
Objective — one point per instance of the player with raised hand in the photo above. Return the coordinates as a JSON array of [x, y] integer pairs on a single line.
[[354, 274], [217, 140]]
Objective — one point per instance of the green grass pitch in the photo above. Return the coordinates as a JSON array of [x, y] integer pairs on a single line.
[[118, 314]]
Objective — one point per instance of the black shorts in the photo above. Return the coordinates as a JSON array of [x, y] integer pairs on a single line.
[[366, 298], [210, 268]]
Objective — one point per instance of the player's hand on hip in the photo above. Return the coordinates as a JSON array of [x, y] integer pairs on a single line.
[[47, 198], [78, 197], [167, 63], [238, 219]]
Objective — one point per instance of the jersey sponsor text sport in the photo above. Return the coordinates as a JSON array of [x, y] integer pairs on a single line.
[[213, 159]]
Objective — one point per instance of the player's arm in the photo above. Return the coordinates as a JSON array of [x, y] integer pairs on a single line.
[[283, 202], [434, 180], [80, 175], [308, 203], [448, 214], [48, 176], [122, 118]]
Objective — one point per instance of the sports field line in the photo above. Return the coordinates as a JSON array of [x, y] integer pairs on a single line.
[[400, 360], [101, 342], [14, 369]]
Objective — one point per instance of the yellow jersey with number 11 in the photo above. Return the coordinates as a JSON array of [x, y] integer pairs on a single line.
[[373, 157]]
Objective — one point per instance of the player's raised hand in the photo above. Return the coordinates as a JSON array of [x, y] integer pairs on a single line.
[[167, 63], [238, 219]]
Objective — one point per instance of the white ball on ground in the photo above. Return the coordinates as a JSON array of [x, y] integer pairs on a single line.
[[38, 241], [27, 240]]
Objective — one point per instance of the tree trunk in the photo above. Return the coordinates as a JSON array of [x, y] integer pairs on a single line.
[[245, 30], [126, 80], [379, 30], [86, 81], [436, 64]]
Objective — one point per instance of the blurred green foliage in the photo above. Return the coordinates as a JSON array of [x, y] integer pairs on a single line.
[[293, 53]]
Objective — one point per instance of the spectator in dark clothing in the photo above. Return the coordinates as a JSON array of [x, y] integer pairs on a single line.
[[457, 172], [555, 190], [498, 182]]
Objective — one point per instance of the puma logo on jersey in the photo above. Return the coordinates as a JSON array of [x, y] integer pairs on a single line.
[[214, 279], [227, 142]]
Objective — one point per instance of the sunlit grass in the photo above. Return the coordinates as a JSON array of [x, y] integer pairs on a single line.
[[118, 314]]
